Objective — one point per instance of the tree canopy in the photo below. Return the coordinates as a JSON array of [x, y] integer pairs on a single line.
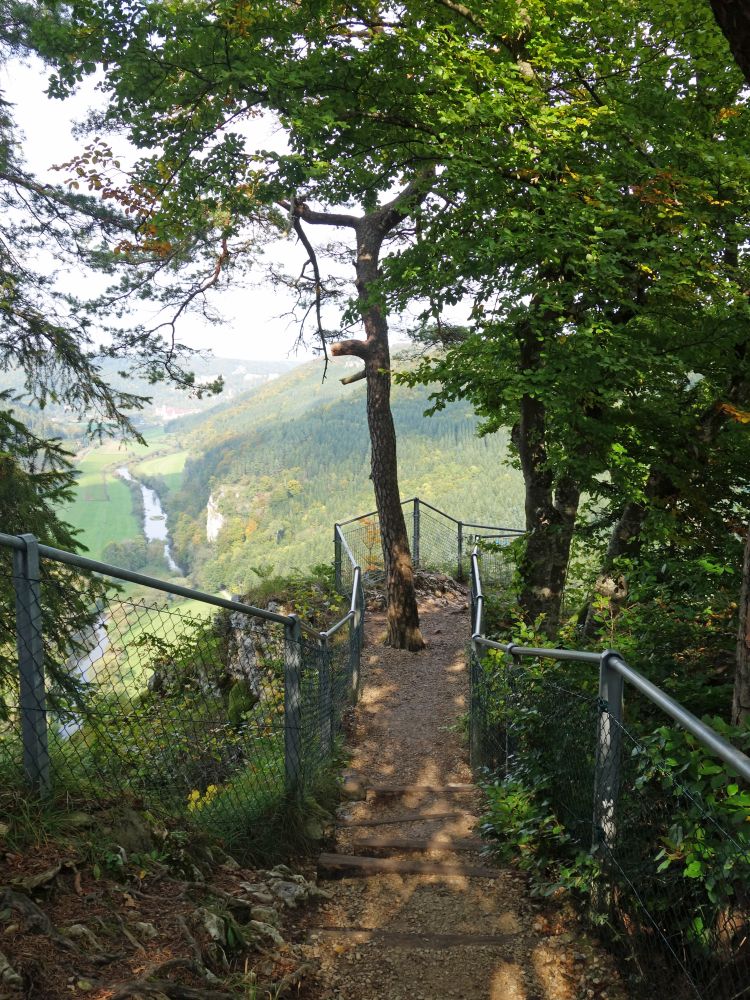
[[582, 177]]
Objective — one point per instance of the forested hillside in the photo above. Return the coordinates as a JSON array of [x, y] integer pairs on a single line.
[[286, 461]]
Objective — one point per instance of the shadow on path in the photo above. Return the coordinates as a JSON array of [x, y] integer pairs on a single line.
[[406, 936]]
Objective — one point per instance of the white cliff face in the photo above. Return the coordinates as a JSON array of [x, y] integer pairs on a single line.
[[214, 520]]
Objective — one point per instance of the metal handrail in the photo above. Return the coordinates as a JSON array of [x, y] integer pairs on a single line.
[[374, 513], [335, 628], [609, 660], [344, 542], [129, 576], [355, 588], [423, 503], [502, 532]]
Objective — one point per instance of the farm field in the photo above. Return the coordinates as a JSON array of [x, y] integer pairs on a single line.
[[102, 509], [168, 467]]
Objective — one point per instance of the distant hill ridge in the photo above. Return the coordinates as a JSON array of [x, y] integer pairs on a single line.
[[281, 463], [168, 400]]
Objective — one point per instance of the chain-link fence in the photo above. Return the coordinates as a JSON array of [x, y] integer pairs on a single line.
[[211, 709], [648, 820], [438, 543]]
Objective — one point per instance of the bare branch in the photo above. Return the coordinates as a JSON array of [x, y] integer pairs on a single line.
[[316, 218], [356, 377], [312, 258]]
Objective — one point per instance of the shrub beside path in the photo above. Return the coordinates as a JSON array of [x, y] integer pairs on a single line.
[[440, 921]]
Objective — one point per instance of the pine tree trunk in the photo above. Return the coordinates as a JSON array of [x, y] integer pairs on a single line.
[[741, 699], [371, 229], [403, 614]]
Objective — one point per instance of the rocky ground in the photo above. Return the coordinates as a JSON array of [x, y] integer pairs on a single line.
[[188, 927]]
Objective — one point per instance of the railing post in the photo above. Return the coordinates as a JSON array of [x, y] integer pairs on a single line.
[[608, 766], [355, 645], [337, 558], [292, 705], [26, 581], [475, 753], [460, 573], [415, 535], [325, 700]]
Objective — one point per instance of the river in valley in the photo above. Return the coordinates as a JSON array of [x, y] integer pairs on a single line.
[[155, 530], [154, 518]]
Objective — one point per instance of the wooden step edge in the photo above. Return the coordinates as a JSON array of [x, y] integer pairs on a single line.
[[404, 866], [352, 785], [381, 791], [407, 939], [418, 844], [406, 818]]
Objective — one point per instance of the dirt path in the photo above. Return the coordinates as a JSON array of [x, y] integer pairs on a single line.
[[406, 936]]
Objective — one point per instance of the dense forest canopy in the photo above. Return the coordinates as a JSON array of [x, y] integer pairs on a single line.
[[578, 173]]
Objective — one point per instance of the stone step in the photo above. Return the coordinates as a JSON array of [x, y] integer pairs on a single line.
[[388, 791], [405, 818], [441, 842], [406, 939], [355, 865], [360, 788]]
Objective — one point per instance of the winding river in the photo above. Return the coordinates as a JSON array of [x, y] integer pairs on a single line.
[[154, 518], [155, 530]]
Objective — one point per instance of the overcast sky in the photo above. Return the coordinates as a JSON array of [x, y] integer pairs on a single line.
[[256, 316], [255, 326]]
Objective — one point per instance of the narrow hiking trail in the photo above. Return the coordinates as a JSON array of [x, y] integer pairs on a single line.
[[417, 912]]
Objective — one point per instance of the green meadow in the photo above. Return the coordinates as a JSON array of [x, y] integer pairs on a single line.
[[169, 467], [102, 510]]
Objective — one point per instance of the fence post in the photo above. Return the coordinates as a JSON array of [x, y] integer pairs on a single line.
[[325, 701], [460, 574], [337, 558], [475, 755], [415, 535], [26, 582], [608, 766], [292, 704], [355, 645]]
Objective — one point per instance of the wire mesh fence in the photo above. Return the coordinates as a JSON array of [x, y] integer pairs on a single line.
[[438, 543], [648, 825], [218, 715]]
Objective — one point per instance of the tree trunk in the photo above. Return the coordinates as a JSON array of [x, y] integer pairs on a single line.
[[370, 230], [544, 566], [741, 699], [550, 510], [733, 17], [403, 615], [623, 541]]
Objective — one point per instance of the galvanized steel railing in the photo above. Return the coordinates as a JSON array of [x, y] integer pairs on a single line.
[[617, 794], [438, 541], [75, 733]]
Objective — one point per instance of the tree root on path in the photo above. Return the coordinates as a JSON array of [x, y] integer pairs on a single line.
[[150, 986], [34, 915], [213, 890]]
